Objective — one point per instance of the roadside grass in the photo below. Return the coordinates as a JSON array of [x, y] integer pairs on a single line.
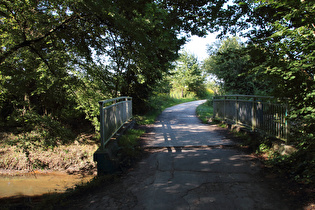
[[205, 112], [130, 147]]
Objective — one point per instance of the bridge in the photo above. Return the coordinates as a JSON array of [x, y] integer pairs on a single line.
[[258, 113], [191, 166]]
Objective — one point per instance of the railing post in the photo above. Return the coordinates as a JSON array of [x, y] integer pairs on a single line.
[[102, 123], [224, 108], [254, 114], [237, 108], [287, 125]]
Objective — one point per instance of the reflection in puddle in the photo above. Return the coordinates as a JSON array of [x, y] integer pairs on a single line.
[[34, 184]]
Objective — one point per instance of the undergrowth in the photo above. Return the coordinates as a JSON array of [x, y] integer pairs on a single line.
[[130, 147], [205, 111], [25, 154]]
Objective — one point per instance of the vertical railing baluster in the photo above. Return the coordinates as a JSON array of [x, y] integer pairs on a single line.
[[224, 111], [287, 128]]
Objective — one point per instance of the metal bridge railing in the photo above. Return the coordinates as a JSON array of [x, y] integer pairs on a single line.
[[259, 113], [114, 113]]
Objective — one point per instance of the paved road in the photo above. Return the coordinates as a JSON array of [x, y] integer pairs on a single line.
[[179, 126], [188, 169]]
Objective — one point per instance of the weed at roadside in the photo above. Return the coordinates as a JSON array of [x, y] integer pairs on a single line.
[[129, 147]]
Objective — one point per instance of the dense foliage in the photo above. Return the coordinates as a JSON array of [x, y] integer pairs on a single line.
[[280, 53], [187, 76], [229, 65], [59, 58], [281, 49]]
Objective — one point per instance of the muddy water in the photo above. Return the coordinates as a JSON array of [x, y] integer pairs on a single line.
[[38, 184]]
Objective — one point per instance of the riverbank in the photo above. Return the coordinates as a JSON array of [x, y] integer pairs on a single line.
[[38, 183], [72, 158]]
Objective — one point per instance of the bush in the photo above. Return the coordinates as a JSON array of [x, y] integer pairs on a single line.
[[43, 130]]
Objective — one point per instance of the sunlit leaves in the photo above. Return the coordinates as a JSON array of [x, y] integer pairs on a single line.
[[187, 75], [75, 52], [229, 62]]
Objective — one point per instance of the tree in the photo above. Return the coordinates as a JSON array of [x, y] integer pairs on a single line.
[[281, 44], [187, 75], [229, 63], [50, 51]]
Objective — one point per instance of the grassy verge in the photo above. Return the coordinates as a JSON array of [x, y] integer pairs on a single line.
[[130, 147], [205, 112]]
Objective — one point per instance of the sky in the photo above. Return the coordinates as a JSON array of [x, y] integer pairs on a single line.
[[198, 46]]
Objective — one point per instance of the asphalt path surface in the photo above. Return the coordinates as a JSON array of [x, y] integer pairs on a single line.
[[190, 166], [178, 126]]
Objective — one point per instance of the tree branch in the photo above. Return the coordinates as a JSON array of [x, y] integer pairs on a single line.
[[33, 41], [43, 59]]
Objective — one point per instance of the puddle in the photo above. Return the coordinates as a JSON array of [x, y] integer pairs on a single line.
[[38, 184]]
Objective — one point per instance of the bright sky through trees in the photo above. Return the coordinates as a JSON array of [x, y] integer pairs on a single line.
[[198, 46]]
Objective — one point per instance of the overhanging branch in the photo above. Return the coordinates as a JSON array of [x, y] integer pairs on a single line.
[[27, 43]]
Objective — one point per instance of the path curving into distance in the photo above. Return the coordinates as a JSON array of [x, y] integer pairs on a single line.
[[178, 126]]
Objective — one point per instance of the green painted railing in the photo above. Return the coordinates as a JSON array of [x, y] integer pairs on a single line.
[[114, 113], [261, 113]]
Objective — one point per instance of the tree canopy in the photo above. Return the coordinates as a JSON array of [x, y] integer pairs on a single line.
[[187, 75], [58, 58], [282, 43], [280, 46], [229, 64]]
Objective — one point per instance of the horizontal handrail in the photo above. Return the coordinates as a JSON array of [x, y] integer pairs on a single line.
[[246, 96], [115, 99]]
